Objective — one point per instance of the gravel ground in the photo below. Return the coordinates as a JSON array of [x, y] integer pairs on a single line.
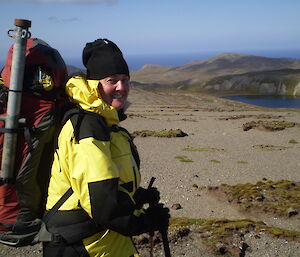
[[207, 121]]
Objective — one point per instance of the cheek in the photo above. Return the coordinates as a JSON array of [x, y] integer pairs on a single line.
[[105, 93]]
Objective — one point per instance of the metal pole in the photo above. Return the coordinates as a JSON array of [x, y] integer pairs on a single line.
[[14, 97]]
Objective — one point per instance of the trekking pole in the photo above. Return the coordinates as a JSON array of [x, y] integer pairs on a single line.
[[20, 35], [151, 234], [164, 235], [163, 232]]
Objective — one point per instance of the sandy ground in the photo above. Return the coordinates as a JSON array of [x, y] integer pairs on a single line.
[[203, 118]]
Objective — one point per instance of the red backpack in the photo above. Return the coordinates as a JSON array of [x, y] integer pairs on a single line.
[[22, 197]]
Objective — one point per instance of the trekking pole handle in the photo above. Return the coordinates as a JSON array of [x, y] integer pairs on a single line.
[[151, 182]]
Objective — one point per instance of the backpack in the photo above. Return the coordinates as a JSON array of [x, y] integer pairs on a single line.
[[23, 196]]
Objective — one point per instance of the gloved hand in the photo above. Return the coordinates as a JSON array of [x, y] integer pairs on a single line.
[[150, 195], [156, 217]]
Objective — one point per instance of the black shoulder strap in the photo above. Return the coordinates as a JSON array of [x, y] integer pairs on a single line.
[[134, 151], [56, 206]]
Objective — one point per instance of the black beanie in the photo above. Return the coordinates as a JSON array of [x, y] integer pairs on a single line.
[[103, 58]]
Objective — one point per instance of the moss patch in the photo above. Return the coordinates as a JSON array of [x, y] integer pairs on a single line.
[[214, 161], [244, 116], [270, 147], [160, 133], [242, 162], [226, 237], [183, 158], [293, 141], [281, 198], [223, 236], [194, 149], [274, 125]]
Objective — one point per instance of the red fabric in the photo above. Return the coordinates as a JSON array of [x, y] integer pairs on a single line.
[[9, 205], [39, 53]]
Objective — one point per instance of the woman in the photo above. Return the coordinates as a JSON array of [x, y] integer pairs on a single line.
[[98, 162]]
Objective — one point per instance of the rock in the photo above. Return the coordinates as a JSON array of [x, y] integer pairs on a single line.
[[176, 206], [292, 212], [221, 248], [141, 239]]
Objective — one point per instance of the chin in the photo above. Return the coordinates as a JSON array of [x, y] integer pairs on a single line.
[[118, 106]]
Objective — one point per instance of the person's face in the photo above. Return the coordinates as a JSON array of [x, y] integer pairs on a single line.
[[114, 90]]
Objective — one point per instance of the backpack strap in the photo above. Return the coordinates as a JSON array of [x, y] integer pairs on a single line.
[[44, 235], [56, 206], [134, 151], [69, 234]]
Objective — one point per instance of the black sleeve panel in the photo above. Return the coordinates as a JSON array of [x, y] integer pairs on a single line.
[[114, 209], [88, 124]]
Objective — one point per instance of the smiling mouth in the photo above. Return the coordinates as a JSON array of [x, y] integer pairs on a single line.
[[118, 97]]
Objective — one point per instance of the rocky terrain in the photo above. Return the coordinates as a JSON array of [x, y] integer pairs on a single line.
[[230, 179], [227, 73]]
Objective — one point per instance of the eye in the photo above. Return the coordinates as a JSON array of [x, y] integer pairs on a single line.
[[126, 80], [112, 81]]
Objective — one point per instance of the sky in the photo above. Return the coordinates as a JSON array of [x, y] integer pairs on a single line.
[[159, 27]]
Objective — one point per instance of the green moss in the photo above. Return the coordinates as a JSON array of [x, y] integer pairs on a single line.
[[244, 116], [193, 149], [214, 161], [214, 232], [183, 158], [273, 125], [242, 162], [293, 141], [184, 221], [160, 133], [281, 197], [222, 229]]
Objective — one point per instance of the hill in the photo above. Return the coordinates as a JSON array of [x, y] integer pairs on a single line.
[[73, 69], [235, 70]]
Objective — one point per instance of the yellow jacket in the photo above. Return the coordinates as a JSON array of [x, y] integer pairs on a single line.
[[101, 170]]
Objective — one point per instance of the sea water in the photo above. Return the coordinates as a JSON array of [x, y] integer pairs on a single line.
[[268, 101]]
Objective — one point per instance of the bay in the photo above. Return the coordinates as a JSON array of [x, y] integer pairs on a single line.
[[269, 101]]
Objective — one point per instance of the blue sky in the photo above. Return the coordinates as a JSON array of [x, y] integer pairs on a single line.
[[158, 26]]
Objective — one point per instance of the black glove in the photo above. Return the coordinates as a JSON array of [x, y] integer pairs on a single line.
[[150, 195], [156, 217]]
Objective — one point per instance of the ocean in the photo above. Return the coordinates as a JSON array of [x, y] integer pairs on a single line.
[[268, 100]]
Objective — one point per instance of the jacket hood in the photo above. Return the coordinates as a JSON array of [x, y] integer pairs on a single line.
[[85, 93]]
